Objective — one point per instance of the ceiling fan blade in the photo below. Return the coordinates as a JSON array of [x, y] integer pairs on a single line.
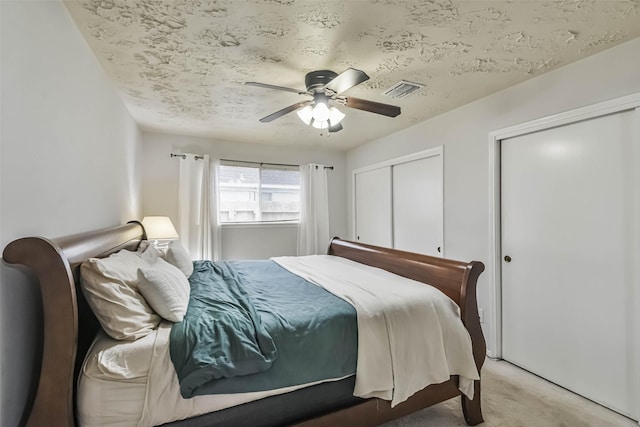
[[346, 80], [335, 128], [284, 111], [372, 107], [267, 86]]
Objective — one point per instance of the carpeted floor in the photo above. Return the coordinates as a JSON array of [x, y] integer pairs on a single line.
[[512, 397]]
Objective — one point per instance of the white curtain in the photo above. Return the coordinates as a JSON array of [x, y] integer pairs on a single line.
[[198, 224], [313, 231]]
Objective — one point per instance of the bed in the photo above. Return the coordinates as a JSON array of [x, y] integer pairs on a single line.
[[70, 329]]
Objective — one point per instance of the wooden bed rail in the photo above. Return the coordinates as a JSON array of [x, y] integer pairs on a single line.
[[455, 279]]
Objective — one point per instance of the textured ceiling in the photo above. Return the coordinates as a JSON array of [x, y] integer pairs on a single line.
[[180, 65]]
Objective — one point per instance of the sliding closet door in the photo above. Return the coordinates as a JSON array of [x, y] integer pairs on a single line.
[[418, 206], [567, 269], [373, 216], [400, 203]]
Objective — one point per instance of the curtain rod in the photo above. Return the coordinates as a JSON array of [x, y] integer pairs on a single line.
[[183, 156], [267, 163]]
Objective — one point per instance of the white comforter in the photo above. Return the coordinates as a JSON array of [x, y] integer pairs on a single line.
[[409, 335]]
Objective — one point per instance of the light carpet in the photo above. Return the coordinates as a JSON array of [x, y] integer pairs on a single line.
[[513, 397]]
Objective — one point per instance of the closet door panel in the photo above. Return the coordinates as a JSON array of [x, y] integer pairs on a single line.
[[418, 206], [567, 272], [373, 217]]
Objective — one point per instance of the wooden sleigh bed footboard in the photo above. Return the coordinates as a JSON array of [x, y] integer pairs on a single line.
[[70, 327]]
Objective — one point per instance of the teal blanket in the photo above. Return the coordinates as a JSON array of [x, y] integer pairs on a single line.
[[253, 326]]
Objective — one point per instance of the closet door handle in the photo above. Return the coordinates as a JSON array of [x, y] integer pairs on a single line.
[[507, 258], [439, 249]]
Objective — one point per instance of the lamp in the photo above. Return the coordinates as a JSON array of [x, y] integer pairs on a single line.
[[320, 116], [160, 230]]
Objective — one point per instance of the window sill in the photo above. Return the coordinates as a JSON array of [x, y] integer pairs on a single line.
[[260, 225]]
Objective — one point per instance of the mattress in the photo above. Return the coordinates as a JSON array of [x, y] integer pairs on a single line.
[[133, 383]]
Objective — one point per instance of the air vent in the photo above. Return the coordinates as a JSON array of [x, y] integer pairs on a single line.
[[402, 89]]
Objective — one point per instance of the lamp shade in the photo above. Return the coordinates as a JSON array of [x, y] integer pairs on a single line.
[[321, 112], [306, 114], [335, 116], [320, 125], [159, 228]]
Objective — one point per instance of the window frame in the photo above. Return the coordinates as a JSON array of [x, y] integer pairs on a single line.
[[260, 167]]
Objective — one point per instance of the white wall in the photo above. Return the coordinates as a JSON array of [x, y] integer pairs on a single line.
[[160, 188], [464, 134], [259, 241], [69, 153]]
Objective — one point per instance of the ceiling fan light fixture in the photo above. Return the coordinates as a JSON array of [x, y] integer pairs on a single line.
[[327, 117], [306, 114], [320, 116], [335, 116], [320, 124], [321, 112]]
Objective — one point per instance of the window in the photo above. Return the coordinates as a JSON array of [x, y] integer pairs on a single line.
[[253, 192]]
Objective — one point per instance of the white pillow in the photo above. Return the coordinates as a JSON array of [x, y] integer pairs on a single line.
[[179, 257], [110, 287], [166, 289], [148, 252]]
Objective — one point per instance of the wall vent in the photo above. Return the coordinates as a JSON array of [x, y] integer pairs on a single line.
[[402, 89]]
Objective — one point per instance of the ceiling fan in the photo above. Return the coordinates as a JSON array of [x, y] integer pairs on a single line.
[[325, 86]]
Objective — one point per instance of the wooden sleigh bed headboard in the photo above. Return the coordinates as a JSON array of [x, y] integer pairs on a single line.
[[70, 326]]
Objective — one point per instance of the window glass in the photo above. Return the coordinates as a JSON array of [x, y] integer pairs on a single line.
[[258, 193]]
